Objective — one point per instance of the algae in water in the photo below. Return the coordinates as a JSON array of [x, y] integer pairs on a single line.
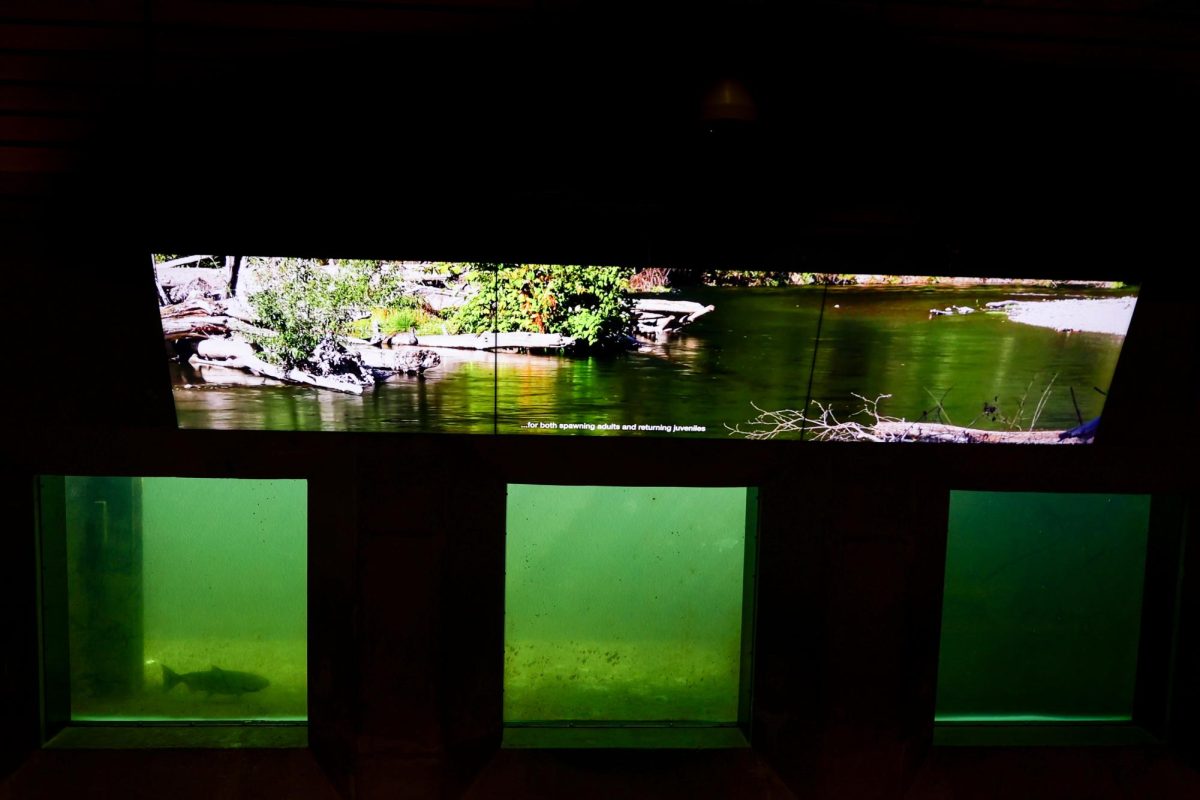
[[221, 569], [623, 603]]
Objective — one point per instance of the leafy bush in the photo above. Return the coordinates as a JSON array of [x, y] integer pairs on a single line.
[[589, 304], [303, 302], [651, 279], [743, 277], [394, 320]]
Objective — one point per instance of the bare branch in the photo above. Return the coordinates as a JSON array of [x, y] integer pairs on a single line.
[[823, 425]]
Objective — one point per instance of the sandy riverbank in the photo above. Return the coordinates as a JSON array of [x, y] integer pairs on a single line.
[[1098, 315]]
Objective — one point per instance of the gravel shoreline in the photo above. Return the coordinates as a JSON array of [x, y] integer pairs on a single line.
[[1098, 315]]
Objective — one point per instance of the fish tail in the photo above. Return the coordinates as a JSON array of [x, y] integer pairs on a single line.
[[170, 678]]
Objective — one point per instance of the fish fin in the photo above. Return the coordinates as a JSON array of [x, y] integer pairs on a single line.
[[170, 678], [215, 668]]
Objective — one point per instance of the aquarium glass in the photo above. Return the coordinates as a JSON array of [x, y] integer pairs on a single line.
[[1042, 607], [591, 350], [624, 604], [186, 598]]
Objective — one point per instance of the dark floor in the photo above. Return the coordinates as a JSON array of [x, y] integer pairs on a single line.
[[1030, 773], [169, 774], [1003, 774]]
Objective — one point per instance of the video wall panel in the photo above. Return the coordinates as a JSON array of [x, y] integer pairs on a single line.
[[534, 349]]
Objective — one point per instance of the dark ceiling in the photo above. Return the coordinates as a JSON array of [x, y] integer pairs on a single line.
[[946, 126]]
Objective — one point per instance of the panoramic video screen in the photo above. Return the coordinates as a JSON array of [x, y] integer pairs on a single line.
[[322, 344]]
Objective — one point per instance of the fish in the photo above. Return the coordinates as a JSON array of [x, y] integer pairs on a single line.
[[215, 681]]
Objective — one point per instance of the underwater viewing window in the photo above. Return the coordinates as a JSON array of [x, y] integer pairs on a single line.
[[628, 616], [1051, 620], [173, 600]]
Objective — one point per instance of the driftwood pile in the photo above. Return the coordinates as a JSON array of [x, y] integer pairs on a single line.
[[210, 329], [657, 319], [332, 366], [209, 326], [873, 426], [904, 431]]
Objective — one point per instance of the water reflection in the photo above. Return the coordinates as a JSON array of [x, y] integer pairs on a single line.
[[757, 347], [883, 342]]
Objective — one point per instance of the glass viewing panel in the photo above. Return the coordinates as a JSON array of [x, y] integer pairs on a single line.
[[185, 599], [624, 605], [542, 349], [1042, 607]]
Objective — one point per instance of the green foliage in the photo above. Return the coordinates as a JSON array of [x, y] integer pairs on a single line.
[[748, 277], [303, 301], [651, 279], [585, 303], [455, 269], [397, 319], [831, 278]]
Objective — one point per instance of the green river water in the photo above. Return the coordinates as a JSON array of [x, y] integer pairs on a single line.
[[624, 603], [191, 575], [757, 347]]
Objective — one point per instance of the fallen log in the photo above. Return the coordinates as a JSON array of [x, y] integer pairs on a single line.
[[338, 383], [198, 318], [203, 326], [406, 360], [234, 307], [225, 349], [657, 318], [684, 307], [195, 305], [902, 430], [489, 341], [175, 262], [223, 375], [194, 327], [239, 354]]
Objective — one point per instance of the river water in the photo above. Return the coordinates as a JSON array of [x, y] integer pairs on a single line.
[[760, 346]]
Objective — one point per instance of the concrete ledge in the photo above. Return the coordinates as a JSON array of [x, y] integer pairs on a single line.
[[123, 737], [1041, 735], [630, 737]]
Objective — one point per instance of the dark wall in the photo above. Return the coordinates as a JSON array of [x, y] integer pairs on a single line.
[[579, 138]]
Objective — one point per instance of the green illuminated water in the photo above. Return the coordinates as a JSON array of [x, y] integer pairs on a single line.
[[222, 577], [623, 604], [1026, 719], [1042, 608]]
